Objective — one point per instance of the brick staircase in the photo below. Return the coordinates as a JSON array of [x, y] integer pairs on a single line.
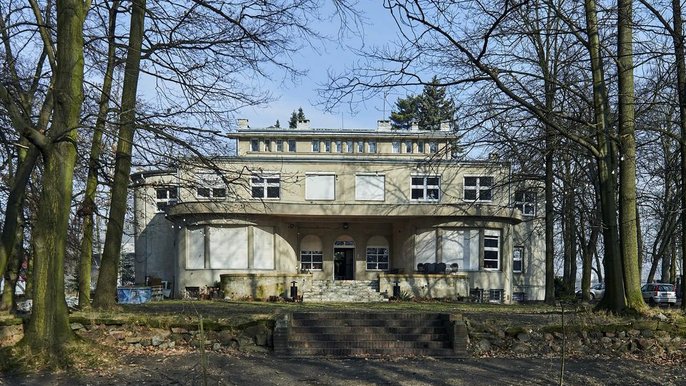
[[353, 334], [363, 291]]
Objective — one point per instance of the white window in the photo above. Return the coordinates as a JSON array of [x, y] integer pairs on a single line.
[[311, 260], [254, 145], [425, 246], [263, 247], [372, 146], [267, 145], [425, 188], [327, 145], [433, 147], [228, 247], [525, 201], [339, 146], [369, 187], [478, 188], [349, 146], [315, 145], [195, 248], [420, 146], [377, 258], [165, 196], [311, 256], [461, 247], [360, 146], [517, 259], [210, 192], [491, 250], [291, 145], [266, 186], [395, 147], [279, 145], [210, 186], [320, 187]]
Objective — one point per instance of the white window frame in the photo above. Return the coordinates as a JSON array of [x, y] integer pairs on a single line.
[[425, 187], [216, 190], [525, 201], [478, 188], [279, 145], [433, 147], [420, 147], [310, 259], [360, 146], [254, 144], [327, 146], [358, 191], [267, 145], [378, 258], [263, 182], [307, 190], [491, 235], [339, 146], [292, 145], [171, 194], [316, 146], [518, 258]]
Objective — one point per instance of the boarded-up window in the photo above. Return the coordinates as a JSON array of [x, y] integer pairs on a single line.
[[320, 187], [195, 248], [461, 247], [369, 188], [228, 248], [263, 247], [425, 246]]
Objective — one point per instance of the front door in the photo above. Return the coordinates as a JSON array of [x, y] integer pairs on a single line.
[[343, 263]]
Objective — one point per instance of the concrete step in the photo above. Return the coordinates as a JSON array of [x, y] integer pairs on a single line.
[[370, 334]]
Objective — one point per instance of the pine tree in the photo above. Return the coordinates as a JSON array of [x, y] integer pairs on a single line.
[[428, 109], [406, 112], [277, 124], [293, 122], [296, 117]]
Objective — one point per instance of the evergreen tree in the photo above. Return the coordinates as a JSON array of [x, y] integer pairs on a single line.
[[293, 121], [428, 109], [406, 112], [295, 117], [434, 107], [277, 124], [301, 114]]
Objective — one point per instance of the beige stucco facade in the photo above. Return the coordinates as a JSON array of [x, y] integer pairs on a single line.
[[366, 205]]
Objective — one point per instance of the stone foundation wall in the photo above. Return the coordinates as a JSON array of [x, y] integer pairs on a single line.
[[262, 286], [440, 286]]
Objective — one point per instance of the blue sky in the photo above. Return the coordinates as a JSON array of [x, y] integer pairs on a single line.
[[318, 60]]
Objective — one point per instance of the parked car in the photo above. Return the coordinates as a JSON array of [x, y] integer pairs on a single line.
[[659, 293], [596, 291]]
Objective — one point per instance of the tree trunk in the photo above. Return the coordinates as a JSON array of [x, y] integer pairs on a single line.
[[678, 38], [569, 229], [48, 328], [109, 267], [614, 299], [8, 302], [628, 225], [15, 205], [88, 204]]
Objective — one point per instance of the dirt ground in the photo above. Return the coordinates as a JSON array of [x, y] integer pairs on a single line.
[[265, 369]]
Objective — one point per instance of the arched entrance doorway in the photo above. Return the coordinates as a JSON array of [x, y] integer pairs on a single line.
[[344, 258]]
